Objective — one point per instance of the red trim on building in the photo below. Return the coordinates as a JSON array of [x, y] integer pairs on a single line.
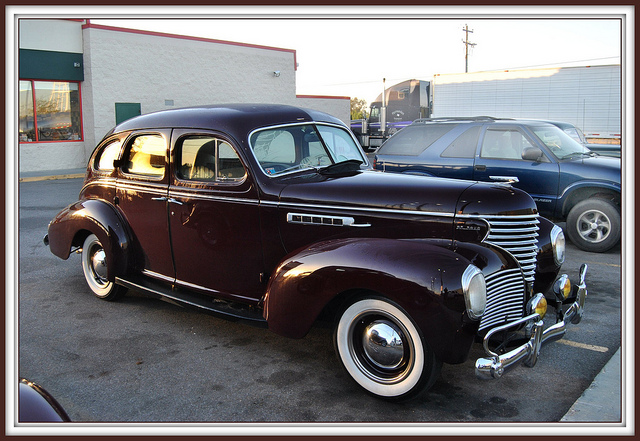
[[90, 25], [325, 97]]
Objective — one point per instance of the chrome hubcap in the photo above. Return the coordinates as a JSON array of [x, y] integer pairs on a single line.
[[382, 344], [99, 265], [594, 226]]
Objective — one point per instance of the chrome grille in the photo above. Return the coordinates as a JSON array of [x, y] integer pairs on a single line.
[[505, 298], [519, 236]]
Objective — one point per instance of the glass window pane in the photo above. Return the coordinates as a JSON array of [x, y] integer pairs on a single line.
[[229, 165], [464, 146], [340, 143], [414, 140], [26, 127], [503, 144], [197, 158], [104, 160], [147, 156], [57, 110], [275, 150]]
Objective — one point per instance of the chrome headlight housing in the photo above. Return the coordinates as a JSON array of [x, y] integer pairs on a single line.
[[558, 244], [475, 291]]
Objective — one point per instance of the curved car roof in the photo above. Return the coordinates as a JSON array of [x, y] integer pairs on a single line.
[[235, 119]]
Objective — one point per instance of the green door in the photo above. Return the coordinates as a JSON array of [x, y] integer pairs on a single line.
[[124, 111]]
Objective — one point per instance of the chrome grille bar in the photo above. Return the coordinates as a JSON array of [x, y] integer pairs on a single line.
[[505, 298], [518, 236]]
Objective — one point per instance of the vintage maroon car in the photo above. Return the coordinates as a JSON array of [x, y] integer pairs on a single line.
[[268, 212]]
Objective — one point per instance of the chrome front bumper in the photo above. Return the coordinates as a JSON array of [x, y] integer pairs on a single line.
[[495, 365]]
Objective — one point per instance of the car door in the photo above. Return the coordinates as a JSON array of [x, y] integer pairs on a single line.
[[214, 218], [141, 195], [499, 158]]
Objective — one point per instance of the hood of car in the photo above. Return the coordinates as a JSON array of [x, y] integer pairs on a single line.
[[602, 168], [371, 190]]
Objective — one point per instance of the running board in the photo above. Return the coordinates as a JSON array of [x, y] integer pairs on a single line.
[[183, 297]]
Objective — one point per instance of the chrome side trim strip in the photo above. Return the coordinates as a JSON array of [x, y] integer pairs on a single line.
[[334, 221], [158, 276]]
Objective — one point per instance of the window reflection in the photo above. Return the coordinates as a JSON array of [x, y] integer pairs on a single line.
[[57, 115]]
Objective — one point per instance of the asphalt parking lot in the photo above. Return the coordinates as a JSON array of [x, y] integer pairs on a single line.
[[142, 360]]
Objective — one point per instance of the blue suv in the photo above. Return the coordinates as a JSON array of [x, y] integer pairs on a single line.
[[567, 180]]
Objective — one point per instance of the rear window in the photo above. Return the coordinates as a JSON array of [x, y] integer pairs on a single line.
[[414, 140]]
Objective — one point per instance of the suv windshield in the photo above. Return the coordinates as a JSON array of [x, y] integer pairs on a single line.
[[284, 149], [560, 143]]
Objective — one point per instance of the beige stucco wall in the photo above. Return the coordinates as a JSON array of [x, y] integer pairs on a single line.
[[160, 71], [150, 70], [340, 107]]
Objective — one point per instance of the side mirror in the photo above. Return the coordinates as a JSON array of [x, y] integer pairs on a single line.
[[532, 154]]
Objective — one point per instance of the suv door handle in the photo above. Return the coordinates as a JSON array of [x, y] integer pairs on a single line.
[[480, 168]]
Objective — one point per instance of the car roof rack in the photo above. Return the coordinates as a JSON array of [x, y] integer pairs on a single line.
[[460, 118]]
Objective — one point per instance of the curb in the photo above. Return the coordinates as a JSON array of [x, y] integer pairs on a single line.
[[602, 400], [52, 175]]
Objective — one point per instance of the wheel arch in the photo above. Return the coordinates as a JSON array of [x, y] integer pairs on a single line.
[[71, 227], [572, 195], [422, 277]]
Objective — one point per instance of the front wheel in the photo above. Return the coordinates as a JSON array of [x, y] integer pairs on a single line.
[[383, 350], [594, 225], [94, 267]]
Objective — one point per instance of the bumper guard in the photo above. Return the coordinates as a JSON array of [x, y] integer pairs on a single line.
[[495, 365]]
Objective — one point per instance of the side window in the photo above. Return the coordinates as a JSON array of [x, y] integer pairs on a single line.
[[205, 158], [464, 146], [104, 159], [503, 144], [414, 140], [147, 156]]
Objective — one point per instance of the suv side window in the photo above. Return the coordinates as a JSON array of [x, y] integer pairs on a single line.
[[206, 158], [503, 144], [464, 146], [104, 159], [415, 139], [146, 155]]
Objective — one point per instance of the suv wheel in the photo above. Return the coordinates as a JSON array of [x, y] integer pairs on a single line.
[[594, 225]]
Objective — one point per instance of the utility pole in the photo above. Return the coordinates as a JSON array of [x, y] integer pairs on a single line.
[[467, 43]]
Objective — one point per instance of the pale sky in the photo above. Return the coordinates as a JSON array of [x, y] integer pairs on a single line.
[[351, 56]]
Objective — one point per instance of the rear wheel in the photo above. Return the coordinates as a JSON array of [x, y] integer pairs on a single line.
[[594, 225], [94, 267], [384, 351]]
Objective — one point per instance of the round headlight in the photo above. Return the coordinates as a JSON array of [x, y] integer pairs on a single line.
[[558, 243], [475, 291]]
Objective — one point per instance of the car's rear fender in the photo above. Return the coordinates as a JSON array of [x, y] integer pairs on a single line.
[[422, 276], [73, 224]]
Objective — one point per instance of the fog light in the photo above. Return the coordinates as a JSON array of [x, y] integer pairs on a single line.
[[562, 287], [538, 304]]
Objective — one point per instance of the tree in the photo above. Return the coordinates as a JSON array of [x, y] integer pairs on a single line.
[[358, 108]]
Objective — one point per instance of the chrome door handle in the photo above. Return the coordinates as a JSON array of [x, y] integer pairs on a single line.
[[505, 178]]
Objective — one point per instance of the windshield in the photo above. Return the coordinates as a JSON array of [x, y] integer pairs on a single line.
[[285, 149], [561, 144]]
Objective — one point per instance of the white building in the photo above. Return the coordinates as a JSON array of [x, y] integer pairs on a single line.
[[78, 80]]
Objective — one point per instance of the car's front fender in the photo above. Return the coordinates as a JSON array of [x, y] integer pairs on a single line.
[[71, 226], [422, 276]]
